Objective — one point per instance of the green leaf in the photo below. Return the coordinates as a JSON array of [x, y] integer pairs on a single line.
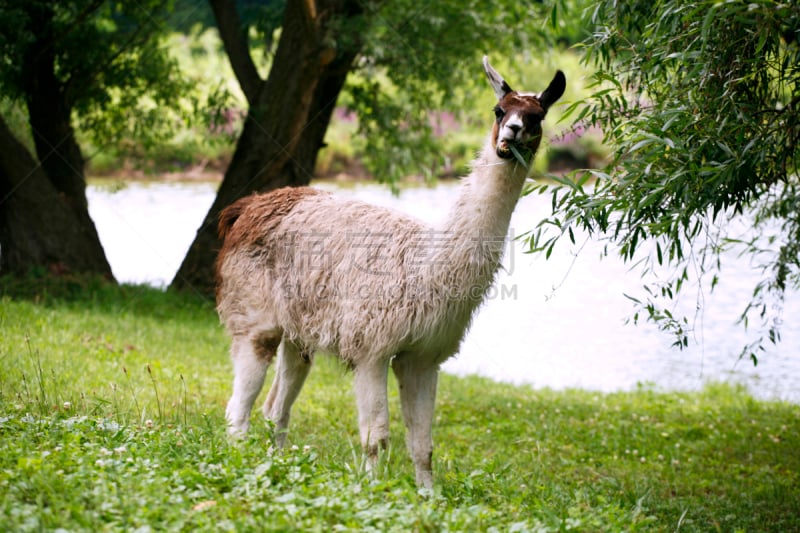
[[518, 155]]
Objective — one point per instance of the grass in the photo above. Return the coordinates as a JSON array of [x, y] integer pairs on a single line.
[[112, 418]]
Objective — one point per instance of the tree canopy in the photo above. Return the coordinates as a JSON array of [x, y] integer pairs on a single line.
[[105, 57], [700, 101]]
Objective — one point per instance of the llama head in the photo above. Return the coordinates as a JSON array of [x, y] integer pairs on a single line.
[[520, 115]]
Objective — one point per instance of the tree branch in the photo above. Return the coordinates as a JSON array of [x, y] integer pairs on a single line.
[[82, 17], [234, 38]]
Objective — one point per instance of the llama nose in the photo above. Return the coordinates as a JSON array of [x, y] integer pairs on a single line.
[[514, 128]]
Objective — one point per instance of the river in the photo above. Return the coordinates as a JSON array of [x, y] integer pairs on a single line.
[[558, 323]]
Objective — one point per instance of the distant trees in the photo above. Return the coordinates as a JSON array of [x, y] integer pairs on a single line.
[[68, 60], [701, 100]]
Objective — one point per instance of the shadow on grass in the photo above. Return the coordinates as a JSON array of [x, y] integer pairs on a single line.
[[98, 293]]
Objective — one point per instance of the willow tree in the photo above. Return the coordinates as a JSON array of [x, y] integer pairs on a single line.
[[701, 100]]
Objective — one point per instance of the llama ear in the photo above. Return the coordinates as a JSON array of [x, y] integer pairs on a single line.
[[554, 90], [497, 82]]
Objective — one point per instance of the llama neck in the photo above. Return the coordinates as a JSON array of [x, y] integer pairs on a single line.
[[488, 195], [470, 242], [464, 251]]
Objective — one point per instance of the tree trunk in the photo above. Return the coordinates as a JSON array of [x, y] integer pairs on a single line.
[[49, 112], [44, 216], [285, 126], [39, 226]]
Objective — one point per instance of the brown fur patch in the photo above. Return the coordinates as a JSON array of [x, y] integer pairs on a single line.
[[266, 346], [249, 221], [307, 356]]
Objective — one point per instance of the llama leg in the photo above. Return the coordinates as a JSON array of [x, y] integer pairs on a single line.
[[373, 409], [417, 397], [251, 357], [291, 371]]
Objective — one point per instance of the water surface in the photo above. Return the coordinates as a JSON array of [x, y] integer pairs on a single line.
[[551, 323]]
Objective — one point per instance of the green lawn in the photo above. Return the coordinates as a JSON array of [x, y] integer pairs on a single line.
[[112, 418]]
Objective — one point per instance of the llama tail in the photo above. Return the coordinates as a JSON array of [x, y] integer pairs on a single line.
[[229, 216], [262, 211]]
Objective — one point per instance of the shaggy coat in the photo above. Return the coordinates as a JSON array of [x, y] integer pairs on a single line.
[[302, 271]]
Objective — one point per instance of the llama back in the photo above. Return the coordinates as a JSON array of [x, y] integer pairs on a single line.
[[331, 274]]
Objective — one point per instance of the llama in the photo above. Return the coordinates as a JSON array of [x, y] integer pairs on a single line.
[[302, 271]]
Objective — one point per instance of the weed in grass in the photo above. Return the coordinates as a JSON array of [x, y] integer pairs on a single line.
[[155, 393], [39, 375]]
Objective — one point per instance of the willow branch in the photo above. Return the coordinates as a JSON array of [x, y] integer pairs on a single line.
[[234, 38]]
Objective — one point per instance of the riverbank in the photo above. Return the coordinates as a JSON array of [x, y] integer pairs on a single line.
[[338, 164], [112, 417]]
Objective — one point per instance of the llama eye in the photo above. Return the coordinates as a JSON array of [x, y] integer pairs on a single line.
[[534, 118], [499, 113]]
